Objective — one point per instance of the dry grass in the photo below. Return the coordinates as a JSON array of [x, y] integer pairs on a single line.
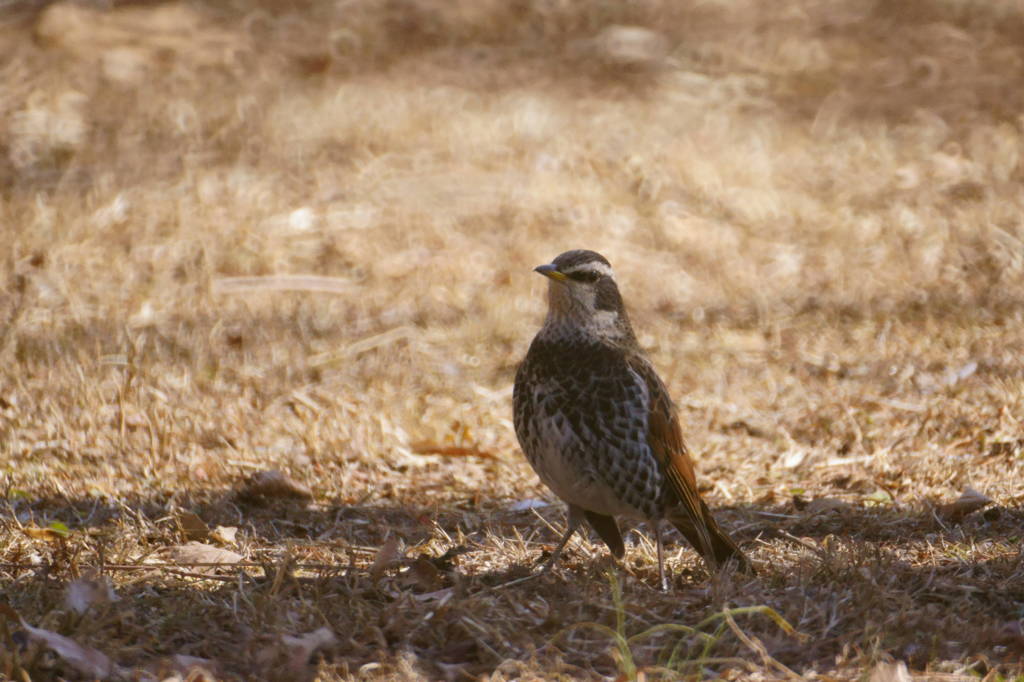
[[298, 236]]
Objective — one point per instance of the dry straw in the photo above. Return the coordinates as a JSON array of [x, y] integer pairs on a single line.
[[254, 236]]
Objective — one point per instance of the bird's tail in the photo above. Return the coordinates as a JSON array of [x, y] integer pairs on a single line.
[[722, 547]]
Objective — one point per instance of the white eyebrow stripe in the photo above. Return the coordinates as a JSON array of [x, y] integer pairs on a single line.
[[592, 266]]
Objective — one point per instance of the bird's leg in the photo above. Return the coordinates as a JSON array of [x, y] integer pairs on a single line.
[[661, 561], [573, 521]]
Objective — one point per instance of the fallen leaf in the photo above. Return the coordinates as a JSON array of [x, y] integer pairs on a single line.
[[59, 528], [427, 448], [890, 672], [198, 554], [87, 661], [84, 593], [301, 649], [387, 555], [441, 595], [879, 498], [970, 501], [40, 533], [793, 459], [225, 535], [527, 504], [822, 505], [274, 483], [191, 526], [54, 532]]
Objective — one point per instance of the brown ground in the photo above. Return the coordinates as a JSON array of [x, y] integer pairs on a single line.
[[815, 212]]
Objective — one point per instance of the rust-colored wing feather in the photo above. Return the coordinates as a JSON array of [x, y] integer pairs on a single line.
[[665, 437], [666, 440]]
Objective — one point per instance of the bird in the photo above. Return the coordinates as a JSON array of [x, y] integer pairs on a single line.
[[597, 424]]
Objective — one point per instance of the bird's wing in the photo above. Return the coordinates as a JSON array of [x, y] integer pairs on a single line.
[[665, 438]]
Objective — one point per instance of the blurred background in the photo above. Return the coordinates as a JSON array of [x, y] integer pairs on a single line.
[[359, 189], [300, 235]]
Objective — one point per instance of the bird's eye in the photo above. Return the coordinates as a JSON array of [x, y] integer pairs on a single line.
[[584, 276]]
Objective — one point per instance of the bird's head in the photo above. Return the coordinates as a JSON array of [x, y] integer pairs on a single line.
[[583, 297]]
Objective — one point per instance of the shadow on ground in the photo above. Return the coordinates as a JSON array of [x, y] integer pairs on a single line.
[[855, 582]]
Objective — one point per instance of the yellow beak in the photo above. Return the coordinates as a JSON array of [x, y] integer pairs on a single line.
[[551, 271]]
